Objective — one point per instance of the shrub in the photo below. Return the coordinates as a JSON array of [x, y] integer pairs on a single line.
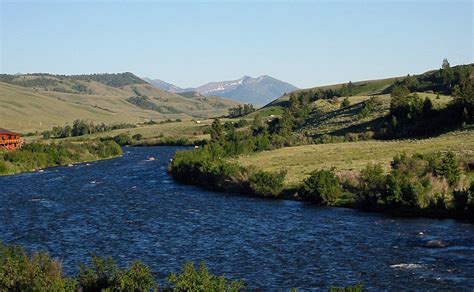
[[104, 274], [122, 139], [267, 184], [19, 272], [371, 186], [464, 201], [345, 103], [192, 279], [3, 167], [322, 186], [137, 137], [445, 165], [403, 189]]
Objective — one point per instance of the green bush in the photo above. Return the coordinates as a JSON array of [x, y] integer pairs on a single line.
[[464, 201], [104, 274], [267, 184], [137, 137], [38, 272], [192, 279], [3, 167], [345, 103], [322, 186], [445, 164], [19, 272], [372, 184], [403, 189], [123, 139]]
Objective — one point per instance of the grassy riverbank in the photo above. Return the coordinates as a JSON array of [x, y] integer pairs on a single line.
[[299, 161], [36, 156]]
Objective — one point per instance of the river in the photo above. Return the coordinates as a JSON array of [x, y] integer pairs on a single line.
[[130, 208]]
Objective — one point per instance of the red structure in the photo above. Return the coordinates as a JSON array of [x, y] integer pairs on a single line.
[[10, 140]]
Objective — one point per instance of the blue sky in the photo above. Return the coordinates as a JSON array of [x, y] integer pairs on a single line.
[[188, 43]]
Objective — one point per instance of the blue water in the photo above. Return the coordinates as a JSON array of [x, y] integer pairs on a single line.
[[130, 208]]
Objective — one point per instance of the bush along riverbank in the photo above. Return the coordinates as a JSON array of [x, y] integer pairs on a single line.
[[20, 271], [39, 272], [431, 185], [36, 156]]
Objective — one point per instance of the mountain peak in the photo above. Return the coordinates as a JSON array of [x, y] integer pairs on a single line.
[[259, 91]]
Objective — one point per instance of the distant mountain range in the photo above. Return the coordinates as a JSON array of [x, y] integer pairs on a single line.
[[259, 91]]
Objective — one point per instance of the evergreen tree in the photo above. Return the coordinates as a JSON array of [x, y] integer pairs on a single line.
[[217, 131]]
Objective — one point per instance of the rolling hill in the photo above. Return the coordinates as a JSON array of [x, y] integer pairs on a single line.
[[368, 102], [40, 101]]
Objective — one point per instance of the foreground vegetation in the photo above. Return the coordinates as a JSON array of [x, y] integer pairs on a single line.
[[39, 272], [35, 156]]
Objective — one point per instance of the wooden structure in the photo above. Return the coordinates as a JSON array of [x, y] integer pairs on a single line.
[[10, 140]]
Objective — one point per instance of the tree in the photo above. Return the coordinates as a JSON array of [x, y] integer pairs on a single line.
[[257, 125], [445, 64], [350, 88], [285, 124], [217, 131], [399, 91], [427, 106], [464, 100], [447, 75]]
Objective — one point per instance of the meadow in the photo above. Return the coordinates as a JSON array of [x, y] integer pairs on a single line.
[[299, 161]]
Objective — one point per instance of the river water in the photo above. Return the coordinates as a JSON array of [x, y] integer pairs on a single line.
[[130, 208]]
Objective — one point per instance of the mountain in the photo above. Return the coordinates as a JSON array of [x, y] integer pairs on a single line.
[[259, 91], [164, 85], [40, 101]]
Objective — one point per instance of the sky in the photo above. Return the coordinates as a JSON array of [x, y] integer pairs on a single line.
[[189, 43]]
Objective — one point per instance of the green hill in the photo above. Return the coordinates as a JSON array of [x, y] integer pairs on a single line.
[[367, 102], [39, 101]]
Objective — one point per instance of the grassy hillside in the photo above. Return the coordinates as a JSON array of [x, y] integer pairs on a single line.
[[366, 87], [368, 101], [40, 101], [301, 160]]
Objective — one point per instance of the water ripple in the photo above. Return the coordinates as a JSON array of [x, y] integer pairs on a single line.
[[130, 208]]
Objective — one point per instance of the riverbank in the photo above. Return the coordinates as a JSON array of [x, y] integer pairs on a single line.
[[421, 185], [36, 156]]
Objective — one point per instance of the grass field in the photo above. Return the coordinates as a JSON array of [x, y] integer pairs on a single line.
[[301, 160]]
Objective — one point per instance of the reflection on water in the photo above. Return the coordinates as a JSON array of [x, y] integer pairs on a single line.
[[130, 208]]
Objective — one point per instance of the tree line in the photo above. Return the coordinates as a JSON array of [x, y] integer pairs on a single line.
[[83, 127], [241, 110]]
